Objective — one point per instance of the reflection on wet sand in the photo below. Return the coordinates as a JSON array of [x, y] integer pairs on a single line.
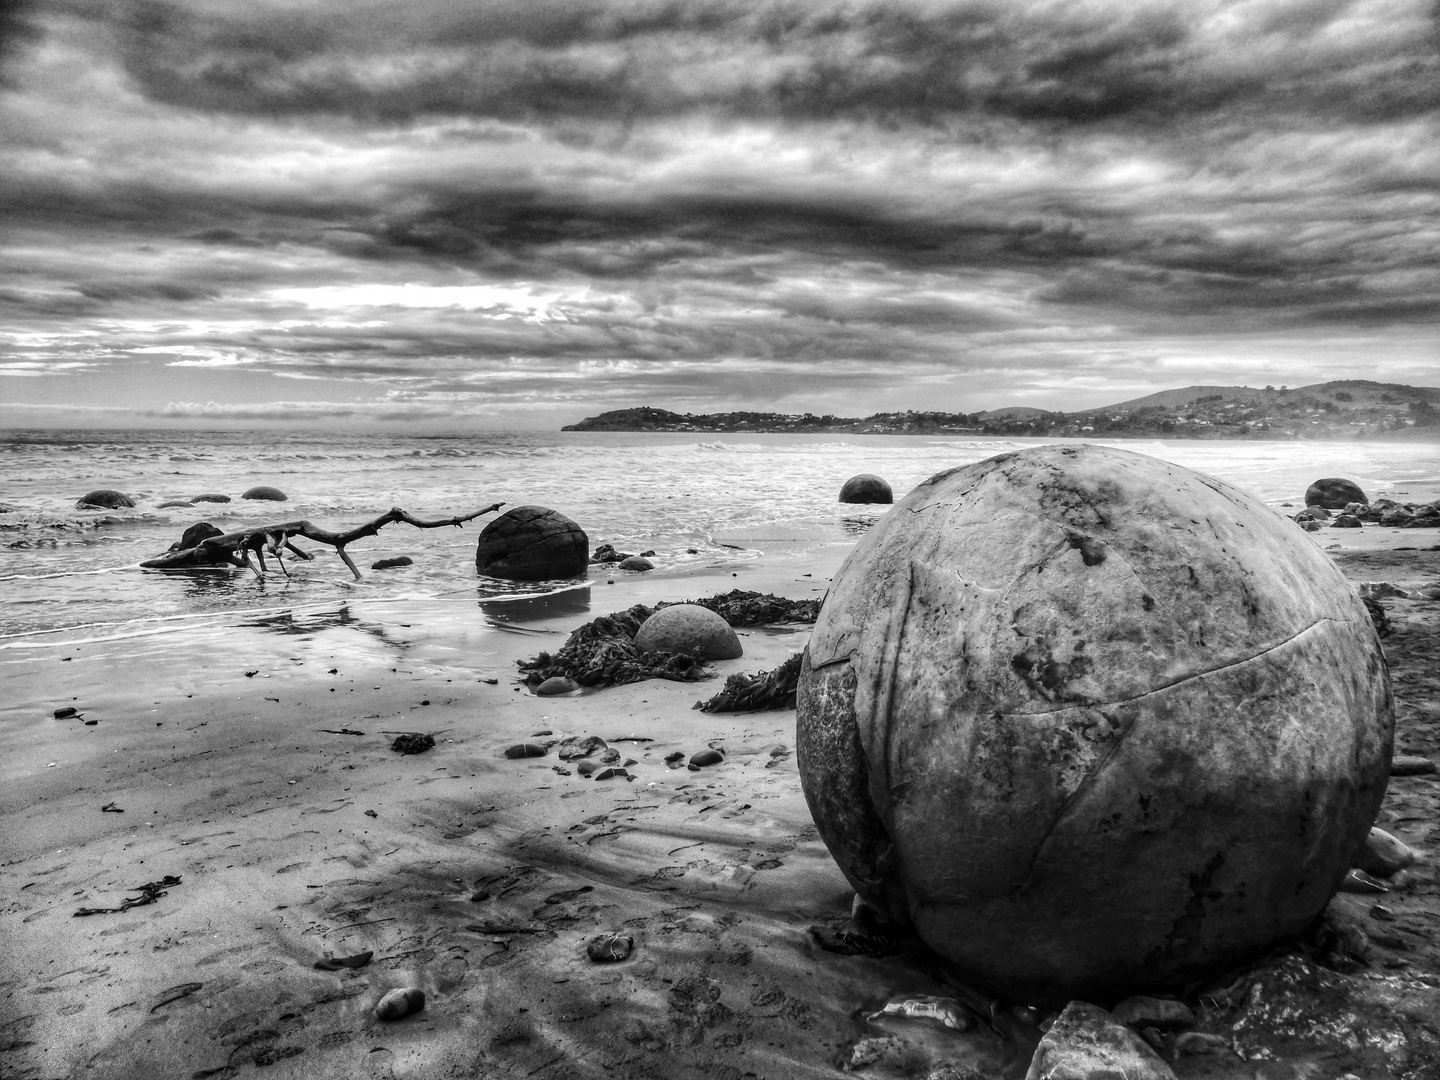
[[535, 608]]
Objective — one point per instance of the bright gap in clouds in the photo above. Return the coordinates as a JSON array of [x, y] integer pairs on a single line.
[[502, 301]]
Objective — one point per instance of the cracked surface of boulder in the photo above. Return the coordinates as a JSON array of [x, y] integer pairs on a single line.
[[1092, 723]]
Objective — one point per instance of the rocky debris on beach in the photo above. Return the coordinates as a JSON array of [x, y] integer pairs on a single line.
[[866, 488], [1110, 682], [265, 493], [412, 742], [606, 553], [532, 543], [610, 948], [400, 1003], [774, 689], [690, 629], [1086, 1041], [742, 608], [104, 499], [1334, 493], [1386, 513], [392, 563]]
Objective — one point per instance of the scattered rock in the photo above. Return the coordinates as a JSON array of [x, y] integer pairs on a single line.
[[66, 711], [400, 1003], [637, 563], [211, 498], [412, 742], [371, 813], [265, 493], [390, 564], [946, 1010], [675, 760], [557, 685], [1383, 854], [526, 749], [1380, 590], [866, 488], [575, 747], [1346, 521], [1334, 493], [532, 543], [201, 530], [1142, 1010], [609, 947], [689, 629], [1313, 513], [1086, 1042], [1358, 881], [1411, 765], [104, 499], [869, 1051], [703, 758], [606, 553], [336, 963], [612, 772]]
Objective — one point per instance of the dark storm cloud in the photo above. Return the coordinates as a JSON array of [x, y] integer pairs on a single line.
[[720, 201]]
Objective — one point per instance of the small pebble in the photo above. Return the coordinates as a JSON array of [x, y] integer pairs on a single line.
[[587, 768], [678, 755], [1411, 765], [65, 712], [609, 947], [539, 734], [706, 757], [371, 813], [400, 1003], [525, 749]]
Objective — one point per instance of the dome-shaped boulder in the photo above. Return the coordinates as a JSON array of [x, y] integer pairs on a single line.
[[264, 493], [1334, 493], [104, 499], [688, 628], [1092, 723], [532, 543], [211, 498], [638, 563], [866, 488]]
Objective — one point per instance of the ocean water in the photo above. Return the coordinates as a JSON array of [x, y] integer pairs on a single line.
[[707, 504]]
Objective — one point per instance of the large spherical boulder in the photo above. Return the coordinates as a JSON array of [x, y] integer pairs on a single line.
[[688, 628], [1092, 722], [265, 493], [104, 499], [1334, 493], [532, 543], [866, 488]]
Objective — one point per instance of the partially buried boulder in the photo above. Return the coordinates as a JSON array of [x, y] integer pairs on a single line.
[[866, 488], [688, 628], [1333, 493], [1092, 723], [211, 498], [532, 543], [266, 494], [635, 562], [104, 499]]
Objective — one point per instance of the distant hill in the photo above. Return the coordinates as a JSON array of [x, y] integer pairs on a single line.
[[1355, 393]]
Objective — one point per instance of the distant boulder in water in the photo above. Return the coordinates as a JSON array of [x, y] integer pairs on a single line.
[[105, 499], [532, 543], [1334, 493], [211, 498], [201, 530], [266, 494], [391, 564], [866, 488]]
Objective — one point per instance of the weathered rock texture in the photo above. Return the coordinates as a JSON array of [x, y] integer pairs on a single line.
[[1087, 1043], [690, 629], [1334, 493], [532, 543], [1092, 723], [866, 488]]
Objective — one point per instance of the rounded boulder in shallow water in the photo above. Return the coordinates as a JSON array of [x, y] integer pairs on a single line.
[[866, 488], [212, 498], [1092, 723], [638, 563], [1334, 493], [105, 499], [266, 494], [532, 543], [687, 628]]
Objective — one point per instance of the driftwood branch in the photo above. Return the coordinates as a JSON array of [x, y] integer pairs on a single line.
[[236, 548]]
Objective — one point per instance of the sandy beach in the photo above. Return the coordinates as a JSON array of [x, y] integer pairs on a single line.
[[481, 879]]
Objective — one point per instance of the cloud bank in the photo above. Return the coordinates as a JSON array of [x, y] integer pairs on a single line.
[[570, 206]]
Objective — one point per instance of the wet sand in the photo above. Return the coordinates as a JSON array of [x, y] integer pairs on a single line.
[[481, 879]]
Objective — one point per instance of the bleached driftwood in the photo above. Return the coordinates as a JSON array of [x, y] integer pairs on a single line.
[[235, 548]]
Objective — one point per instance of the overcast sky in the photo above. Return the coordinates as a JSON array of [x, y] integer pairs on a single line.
[[519, 213]]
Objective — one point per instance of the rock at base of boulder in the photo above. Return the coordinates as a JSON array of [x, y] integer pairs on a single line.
[[266, 494], [390, 564], [532, 543], [105, 499], [1334, 493], [866, 488], [1086, 1043], [688, 628]]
